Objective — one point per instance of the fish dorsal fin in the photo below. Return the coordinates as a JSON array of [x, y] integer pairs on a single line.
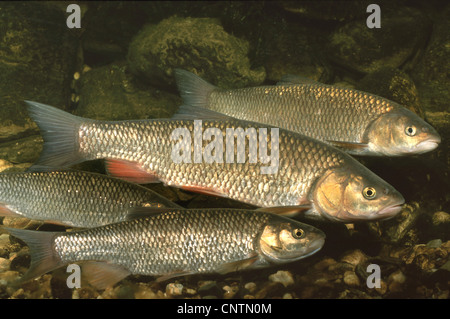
[[289, 79], [189, 112], [139, 212], [103, 274], [288, 211]]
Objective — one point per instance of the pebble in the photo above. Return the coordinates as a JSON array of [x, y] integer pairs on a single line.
[[354, 258], [174, 289], [250, 286], [4, 264], [283, 277], [440, 218], [435, 243], [351, 279], [230, 291], [396, 281]]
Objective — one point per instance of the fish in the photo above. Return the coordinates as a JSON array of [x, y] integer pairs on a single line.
[[168, 243], [309, 177], [357, 122], [73, 198]]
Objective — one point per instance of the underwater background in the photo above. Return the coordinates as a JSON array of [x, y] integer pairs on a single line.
[[119, 66]]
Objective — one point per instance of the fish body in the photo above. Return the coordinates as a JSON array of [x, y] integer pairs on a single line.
[[173, 243], [311, 176], [73, 198], [358, 122]]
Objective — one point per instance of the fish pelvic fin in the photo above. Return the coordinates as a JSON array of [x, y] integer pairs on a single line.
[[102, 275], [59, 130], [43, 256], [193, 89]]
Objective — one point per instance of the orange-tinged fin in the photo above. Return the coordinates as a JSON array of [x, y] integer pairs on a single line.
[[288, 211], [59, 130], [237, 265], [43, 257], [203, 190], [348, 145], [5, 211], [103, 274], [129, 171]]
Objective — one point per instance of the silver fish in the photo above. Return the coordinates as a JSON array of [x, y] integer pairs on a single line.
[[358, 122], [173, 243], [73, 198], [311, 176]]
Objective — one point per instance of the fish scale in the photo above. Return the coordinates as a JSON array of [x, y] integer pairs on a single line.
[[74, 198], [235, 179], [283, 105], [308, 176], [357, 122], [197, 240]]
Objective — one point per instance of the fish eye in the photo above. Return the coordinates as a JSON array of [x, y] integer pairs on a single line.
[[410, 130], [369, 192], [298, 233]]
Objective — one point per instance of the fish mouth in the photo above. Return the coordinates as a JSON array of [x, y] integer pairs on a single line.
[[429, 144], [390, 210]]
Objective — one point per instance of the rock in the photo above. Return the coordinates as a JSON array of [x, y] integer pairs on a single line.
[[395, 85], [283, 277], [209, 288], [395, 229], [112, 93], [440, 218], [435, 243], [354, 258], [351, 279], [174, 289], [199, 45], [396, 281], [36, 63], [4, 264], [429, 75], [250, 286], [365, 50], [230, 291]]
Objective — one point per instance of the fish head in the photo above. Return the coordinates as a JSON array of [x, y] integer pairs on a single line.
[[401, 132], [353, 193], [285, 240]]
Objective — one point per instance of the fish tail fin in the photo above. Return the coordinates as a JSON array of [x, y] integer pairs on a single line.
[[59, 130], [43, 256], [193, 89]]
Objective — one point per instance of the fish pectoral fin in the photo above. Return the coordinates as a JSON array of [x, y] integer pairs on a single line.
[[129, 171], [189, 112], [348, 145], [288, 79], [237, 265], [102, 274], [203, 190], [173, 274], [289, 211]]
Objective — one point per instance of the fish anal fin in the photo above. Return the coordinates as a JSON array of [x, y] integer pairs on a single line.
[[129, 171], [103, 274]]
